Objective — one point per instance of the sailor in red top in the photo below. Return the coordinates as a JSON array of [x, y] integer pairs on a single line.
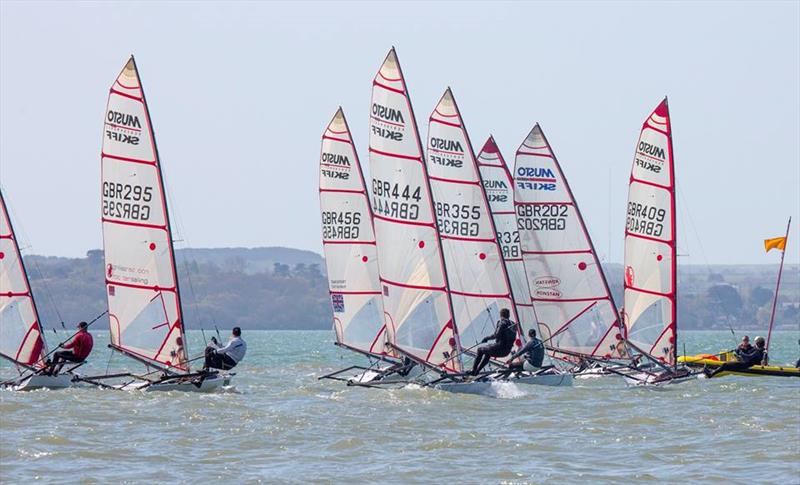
[[77, 350]]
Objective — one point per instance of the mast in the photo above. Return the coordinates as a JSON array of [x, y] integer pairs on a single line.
[[479, 285], [348, 239], [419, 311], [568, 288], [22, 336], [777, 287]]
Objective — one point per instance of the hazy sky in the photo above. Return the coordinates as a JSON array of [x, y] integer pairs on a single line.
[[239, 94]]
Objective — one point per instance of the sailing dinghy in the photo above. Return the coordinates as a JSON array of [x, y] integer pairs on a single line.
[[351, 258], [578, 319], [21, 334], [144, 304], [478, 280], [650, 311], [418, 311]]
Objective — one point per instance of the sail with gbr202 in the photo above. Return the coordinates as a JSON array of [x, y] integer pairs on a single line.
[[416, 300], [145, 314], [576, 312]]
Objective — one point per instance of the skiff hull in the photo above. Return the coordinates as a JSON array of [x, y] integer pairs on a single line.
[[61, 381]]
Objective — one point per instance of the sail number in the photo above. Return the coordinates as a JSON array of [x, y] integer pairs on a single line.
[[340, 225], [396, 200], [127, 201], [646, 220], [542, 217], [458, 219], [509, 242]]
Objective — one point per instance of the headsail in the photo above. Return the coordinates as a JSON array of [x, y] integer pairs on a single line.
[[416, 301], [499, 187], [650, 262], [349, 240], [21, 336], [568, 288], [479, 285], [141, 281]]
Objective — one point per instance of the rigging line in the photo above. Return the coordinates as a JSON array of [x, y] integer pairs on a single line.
[[20, 228], [688, 215]]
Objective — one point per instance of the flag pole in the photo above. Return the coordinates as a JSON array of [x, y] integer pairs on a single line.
[[777, 287]]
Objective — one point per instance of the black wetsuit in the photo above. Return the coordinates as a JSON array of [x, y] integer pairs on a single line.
[[746, 360], [533, 351], [504, 335]]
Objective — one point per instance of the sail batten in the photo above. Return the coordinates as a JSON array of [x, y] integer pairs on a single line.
[[574, 306], [479, 285], [349, 243], [650, 310], [418, 311], [145, 315], [21, 333]]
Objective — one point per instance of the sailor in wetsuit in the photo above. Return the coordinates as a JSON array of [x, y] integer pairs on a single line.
[[504, 335], [529, 357], [746, 358]]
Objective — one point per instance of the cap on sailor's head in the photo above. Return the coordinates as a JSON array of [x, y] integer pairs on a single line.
[[759, 341]]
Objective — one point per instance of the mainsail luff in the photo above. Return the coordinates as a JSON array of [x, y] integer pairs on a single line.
[[478, 282], [573, 302], [499, 185], [21, 332], [130, 161], [417, 305], [349, 242], [650, 311]]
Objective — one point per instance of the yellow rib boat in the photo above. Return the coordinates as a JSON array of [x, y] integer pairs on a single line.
[[716, 360]]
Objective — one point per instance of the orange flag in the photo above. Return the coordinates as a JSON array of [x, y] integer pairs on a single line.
[[775, 243]]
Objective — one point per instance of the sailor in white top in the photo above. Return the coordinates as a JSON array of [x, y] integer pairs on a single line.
[[226, 357]]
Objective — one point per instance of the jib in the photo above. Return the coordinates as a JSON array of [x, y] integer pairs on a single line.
[[335, 159], [449, 145], [536, 186], [388, 134], [446, 161], [123, 119], [122, 138], [653, 150], [648, 165], [535, 172], [385, 113]]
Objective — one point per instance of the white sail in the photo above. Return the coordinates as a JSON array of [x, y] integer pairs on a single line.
[[499, 186], [141, 281], [574, 306], [650, 262], [479, 285], [21, 336], [348, 238], [416, 302]]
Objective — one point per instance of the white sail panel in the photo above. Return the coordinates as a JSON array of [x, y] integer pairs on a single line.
[[21, 336], [416, 301], [141, 282], [499, 186], [349, 241], [650, 264], [568, 288], [478, 283]]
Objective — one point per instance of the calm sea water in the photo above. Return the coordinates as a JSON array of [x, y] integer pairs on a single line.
[[283, 425]]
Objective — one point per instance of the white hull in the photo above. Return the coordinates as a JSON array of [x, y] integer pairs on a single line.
[[500, 387], [209, 384], [546, 380], [377, 375], [61, 381], [645, 379]]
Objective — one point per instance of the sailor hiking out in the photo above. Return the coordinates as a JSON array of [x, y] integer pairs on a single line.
[[77, 350], [504, 336], [225, 358]]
